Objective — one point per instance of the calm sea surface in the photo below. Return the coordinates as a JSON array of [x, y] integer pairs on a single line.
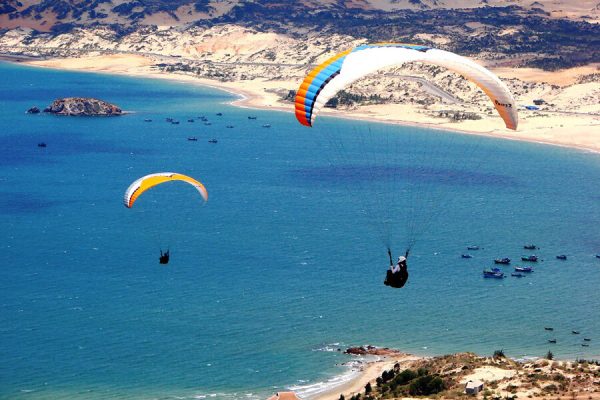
[[283, 263]]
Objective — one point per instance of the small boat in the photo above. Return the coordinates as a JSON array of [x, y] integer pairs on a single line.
[[551, 340], [575, 332], [219, 114], [175, 122], [472, 247], [169, 119], [193, 139], [561, 257], [203, 118], [466, 256], [207, 123], [548, 328], [532, 258], [266, 126], [504, 260], [597, 255], [585, 345], [530, 247], [190, 120], [517, 274], [42, 144], [251, 117], [493, 273], [587, 339], [147, 120], [523, 269], [213, 141], [229, 126]]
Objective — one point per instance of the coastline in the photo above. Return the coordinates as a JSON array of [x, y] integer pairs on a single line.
[[366, 371], [568, 130]]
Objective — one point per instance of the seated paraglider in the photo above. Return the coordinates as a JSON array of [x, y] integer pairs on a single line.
[[397, 275], [164, 257]]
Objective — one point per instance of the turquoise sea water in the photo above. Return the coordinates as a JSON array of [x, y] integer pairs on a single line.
[[279, 266]]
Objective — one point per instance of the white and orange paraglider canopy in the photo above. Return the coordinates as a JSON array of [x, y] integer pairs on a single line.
[[340, 71], [146, 182]]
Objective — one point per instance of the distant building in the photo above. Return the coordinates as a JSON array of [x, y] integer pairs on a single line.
[[284, 396], [473, 387]]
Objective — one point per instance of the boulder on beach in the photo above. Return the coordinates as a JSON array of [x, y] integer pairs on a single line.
[[82, 106]]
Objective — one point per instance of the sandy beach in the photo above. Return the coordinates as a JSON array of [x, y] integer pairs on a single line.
[[368, 373], [575, 129]]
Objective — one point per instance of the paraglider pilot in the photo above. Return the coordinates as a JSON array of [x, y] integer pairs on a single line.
[[397, 275], [164, 257]]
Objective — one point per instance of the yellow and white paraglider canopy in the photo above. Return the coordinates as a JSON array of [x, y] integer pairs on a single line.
[[146, 182], [340, 71]]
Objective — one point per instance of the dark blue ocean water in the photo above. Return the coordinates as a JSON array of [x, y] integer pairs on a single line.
[[283, 261]]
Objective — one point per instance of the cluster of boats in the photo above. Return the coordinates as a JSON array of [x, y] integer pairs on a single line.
[[495, 272], [201, 118], [519, 271], [205, 120], [574, 332]]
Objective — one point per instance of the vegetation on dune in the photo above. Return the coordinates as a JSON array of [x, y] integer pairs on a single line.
[[443, 377]]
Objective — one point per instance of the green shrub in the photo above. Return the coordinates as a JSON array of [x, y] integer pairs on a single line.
[[404, 377], [426, 385]]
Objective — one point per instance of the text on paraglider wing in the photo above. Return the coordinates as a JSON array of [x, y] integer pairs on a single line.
[[508, 105]]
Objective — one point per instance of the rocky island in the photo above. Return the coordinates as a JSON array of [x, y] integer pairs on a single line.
[[81, 106]]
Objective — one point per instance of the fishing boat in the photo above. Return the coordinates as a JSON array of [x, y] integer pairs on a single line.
[[551, 340], [266, 126], [42, 144], [597, 255], [213, 141], [493, 273], [561, 257], [504, 260], [466, 256], [517, 274], [168, 119], [548, 328], [585, 345], [531, 258], [190, 120], [147, 120], [251, 117], [530, 247], [192, 139], [523, 269], [219, 114], [587, 339], [207, 123], [472, 247], [175, 122], [229, 126], [575, 332]]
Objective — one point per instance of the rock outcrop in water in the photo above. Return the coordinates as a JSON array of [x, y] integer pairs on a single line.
[[33, 110], [82, 106], [372, 350]]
